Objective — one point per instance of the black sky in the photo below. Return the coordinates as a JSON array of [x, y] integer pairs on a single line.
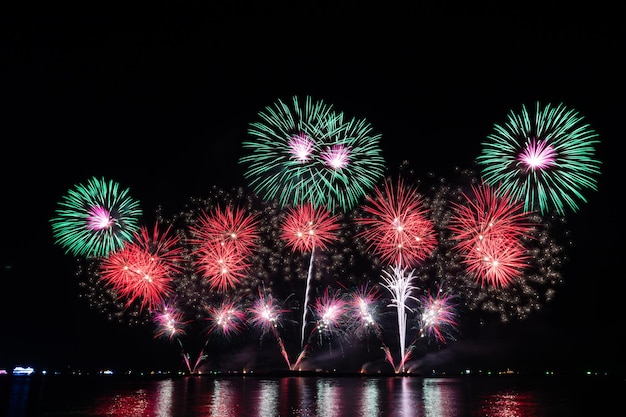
[[160, 99]]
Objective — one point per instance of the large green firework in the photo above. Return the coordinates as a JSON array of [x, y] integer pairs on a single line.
[[305, 152], [546, 159], [95, 218]]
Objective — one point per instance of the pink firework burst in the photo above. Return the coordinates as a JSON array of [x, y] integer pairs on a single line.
[[398, 230], [300, 147], [265, 313], [232, 225], [143, 270], [226, 319], [331, 312], [439, 316], [362, 309], [336, 157], [221, 264], [165, 248], [169, 322], [538, 155], [306, 227], [99, 218]]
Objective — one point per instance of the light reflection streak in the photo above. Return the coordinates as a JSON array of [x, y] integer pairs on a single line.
[[370, 398], [222, 400], [133, 404], [405, 399], [439, 398], [165, 396], [268, 399], [328, 397], [509, 404]]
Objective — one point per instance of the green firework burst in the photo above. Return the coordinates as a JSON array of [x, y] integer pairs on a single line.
[[304, 152], [546, 159], [95, 218]]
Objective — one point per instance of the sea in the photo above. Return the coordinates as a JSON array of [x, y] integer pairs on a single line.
[[326, 395]]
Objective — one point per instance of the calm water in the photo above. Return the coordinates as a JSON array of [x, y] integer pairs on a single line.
[[497, 396]]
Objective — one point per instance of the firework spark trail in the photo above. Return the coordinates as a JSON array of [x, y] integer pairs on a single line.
[[267, 315], [305, 228], [398, 282], [170, 324], [305, 308]]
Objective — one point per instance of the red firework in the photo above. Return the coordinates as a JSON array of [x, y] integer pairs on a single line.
[[144, 268], [489, 232], [497, 262], [306, 228], [228, 225], [223, 241], [488, 213], [398, 230], [222, 264]]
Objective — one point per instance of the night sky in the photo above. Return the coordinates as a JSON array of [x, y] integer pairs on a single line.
[[160, 100]]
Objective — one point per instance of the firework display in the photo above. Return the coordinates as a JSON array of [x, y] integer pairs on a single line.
[[330, 253], [95, 218], [306, 152], [399, 228], [546, 159], [488, 230]]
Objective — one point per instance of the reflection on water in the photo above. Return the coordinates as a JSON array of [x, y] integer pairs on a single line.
[[268, 403], [508, 404], [294, 396]]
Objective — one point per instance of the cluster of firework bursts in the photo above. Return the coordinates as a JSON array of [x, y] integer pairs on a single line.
[[328, 250]]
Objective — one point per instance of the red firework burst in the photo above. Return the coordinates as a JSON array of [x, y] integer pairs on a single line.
[[497, 262], [305, 228], [222, 264], [229, 225], [487, 213], [488, 230], [398, 230], [144, 268]]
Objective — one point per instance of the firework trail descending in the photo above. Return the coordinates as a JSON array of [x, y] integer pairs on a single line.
[[95, 218], [266, 315], [546, 159], [304, 229], [170, 324], [306, 152]]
